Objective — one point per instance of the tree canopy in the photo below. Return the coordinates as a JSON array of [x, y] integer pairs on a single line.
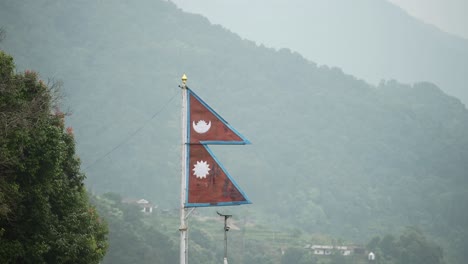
[[411, 246], [331, 154], [45, 215], [131, 239]]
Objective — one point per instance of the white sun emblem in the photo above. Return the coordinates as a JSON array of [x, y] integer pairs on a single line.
[[201, 169], [201, 126]]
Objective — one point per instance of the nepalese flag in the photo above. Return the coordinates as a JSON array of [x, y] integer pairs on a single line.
[[208, 182], [205, 126]]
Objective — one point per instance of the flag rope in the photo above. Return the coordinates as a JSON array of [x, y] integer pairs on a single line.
[[125, 140]]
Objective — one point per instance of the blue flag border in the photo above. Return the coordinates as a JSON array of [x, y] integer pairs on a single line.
[[187, 181], [244, 141]]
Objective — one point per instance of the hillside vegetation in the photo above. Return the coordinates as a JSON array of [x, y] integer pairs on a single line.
[[45, 215], [331, 154], [371, 39]]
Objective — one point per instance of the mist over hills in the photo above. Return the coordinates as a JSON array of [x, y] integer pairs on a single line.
[[370, 39], [331, 153]]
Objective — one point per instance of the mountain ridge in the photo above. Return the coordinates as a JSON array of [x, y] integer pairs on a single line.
[[373, 40], [331, 153]]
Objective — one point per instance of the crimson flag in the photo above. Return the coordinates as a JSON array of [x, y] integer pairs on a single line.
[[208, 182], [205, 126]]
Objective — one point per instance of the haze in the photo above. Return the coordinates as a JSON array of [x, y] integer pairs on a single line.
[[448, 15], [356, 112]]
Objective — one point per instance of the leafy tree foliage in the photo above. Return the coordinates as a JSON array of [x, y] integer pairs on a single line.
[[411, 247], [296, 255], [45, 216], [2, 34], [331, 154], [131, 239]]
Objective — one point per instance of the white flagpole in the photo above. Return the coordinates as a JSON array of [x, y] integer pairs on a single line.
[[183, 188]]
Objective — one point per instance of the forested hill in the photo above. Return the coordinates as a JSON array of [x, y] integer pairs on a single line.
[[331, 154], [372, 39]]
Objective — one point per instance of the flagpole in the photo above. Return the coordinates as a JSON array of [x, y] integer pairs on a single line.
[[183, 188]]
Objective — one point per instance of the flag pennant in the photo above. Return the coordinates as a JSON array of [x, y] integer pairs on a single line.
[[208, 182], [205, 126]]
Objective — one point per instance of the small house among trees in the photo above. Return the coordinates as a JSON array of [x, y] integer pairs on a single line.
[[333, 250], [145, 205]]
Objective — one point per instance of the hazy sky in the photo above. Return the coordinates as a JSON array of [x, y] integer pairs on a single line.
[[449, 15]]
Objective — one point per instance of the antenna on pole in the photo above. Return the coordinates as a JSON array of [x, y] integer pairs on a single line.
[[226, 229]]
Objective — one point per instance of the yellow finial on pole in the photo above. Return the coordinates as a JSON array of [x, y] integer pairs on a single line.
[[184, 79]]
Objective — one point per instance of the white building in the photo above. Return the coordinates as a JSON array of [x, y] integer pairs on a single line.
[[146, 206], [329, 250]]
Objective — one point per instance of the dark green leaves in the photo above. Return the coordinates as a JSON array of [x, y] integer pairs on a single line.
[[45, 216]]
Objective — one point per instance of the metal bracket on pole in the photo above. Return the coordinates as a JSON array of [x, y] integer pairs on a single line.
[[188, 214], [226, 229]]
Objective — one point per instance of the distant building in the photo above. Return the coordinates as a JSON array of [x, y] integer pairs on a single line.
[[344, 250], [322, 249], [145, 205], [330, 250]]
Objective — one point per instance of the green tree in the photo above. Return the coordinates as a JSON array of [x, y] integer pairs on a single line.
[[411, 247], [296, 255], [415, 248], [131, 239], [2, 34], [45, 215]]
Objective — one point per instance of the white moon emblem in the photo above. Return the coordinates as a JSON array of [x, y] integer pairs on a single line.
[[201, 126]]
